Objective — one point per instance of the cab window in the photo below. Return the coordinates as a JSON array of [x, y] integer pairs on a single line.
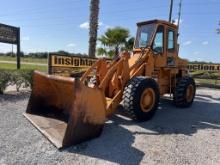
[[144, 35], [158, 44], [171, 45]]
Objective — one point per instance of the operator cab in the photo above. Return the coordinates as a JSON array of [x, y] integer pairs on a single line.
[[161, 37]]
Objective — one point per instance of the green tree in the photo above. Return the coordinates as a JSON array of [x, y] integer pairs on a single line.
[[129, 44], [102, 51], [94, 16], [115, 40]]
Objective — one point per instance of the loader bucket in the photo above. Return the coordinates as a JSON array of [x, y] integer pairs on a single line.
[[65, 110]]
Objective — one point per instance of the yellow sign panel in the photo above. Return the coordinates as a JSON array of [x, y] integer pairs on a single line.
[[67, 65], [71, 61], [204, 67]]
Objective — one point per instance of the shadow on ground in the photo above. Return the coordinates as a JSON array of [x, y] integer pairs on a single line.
[[116, 142], [14, 96]]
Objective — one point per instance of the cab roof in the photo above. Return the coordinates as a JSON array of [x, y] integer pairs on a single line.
[[156, 21]]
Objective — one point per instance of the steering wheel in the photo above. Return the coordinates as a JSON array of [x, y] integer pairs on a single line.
[[158, 49]]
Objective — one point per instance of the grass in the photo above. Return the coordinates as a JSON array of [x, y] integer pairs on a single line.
[[208, 81], [23, 66], [196, 72], [24, 59], [208, 73]]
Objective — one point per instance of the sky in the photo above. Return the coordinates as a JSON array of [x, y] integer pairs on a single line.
[[52, 25]]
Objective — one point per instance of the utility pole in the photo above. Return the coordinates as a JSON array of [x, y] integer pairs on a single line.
[[178, 22], [179, 14], [171, 11]]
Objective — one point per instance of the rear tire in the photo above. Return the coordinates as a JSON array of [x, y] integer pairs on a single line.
[[185, 92], [141, 98]]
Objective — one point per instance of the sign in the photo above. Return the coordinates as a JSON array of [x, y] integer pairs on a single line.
[[8, 34], [203, 67], [11, 35], [67, 65]]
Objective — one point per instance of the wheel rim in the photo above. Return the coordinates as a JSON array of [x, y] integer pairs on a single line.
[[189, 93], [147, 100]]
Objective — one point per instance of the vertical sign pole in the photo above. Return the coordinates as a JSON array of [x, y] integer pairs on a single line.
[[49, 63], [18, 50]]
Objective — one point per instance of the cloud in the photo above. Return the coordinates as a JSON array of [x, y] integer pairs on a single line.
[[98, 45], [196, 52], [4, 48], [71, 45], [25, 38], [108, 27], [199, 59], [187, 43], [85, 25], [176, 21], [205, 43]]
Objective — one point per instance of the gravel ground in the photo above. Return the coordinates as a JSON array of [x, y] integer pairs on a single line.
[[173, 136]]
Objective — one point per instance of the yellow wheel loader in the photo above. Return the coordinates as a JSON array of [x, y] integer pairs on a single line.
[[69, 110]]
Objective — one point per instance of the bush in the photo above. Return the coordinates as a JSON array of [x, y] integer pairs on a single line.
[[4, 80], [27, 77], [205, 74], [19, 78]]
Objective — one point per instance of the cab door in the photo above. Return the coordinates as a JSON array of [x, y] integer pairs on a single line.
[[158, 47], [171, 47]]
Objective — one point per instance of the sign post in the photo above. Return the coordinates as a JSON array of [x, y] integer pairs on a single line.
[[18, 49], [11, 35]]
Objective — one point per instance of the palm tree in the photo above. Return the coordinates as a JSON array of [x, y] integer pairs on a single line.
[[129, 44], [114, 39], [94, 17], [102, 51]]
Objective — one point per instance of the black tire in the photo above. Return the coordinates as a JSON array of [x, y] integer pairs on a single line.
[[132, 98], [180, 93]]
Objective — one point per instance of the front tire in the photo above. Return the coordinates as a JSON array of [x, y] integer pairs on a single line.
[[141, 98]]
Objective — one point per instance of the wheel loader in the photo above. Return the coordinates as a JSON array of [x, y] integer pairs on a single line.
[[70, 110]]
